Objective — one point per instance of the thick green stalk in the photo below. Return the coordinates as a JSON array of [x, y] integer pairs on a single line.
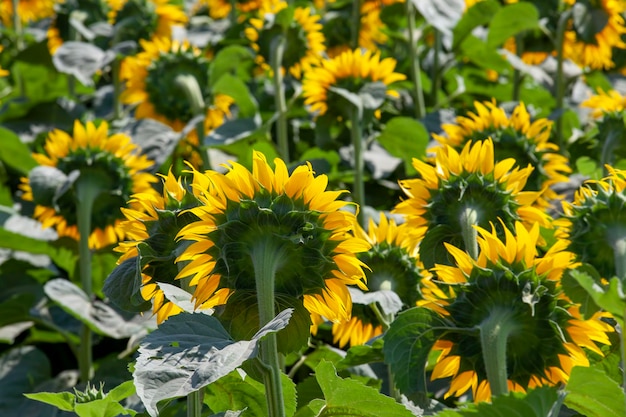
[[117, 89], [494, 333], [266, 258], [356, 134], [194, 403], [618, 242], [17, 24], [517, 74], [87, 190], [279, 95], [188, 84], [468, 219], [436, 70], [416, 74], [356, 23], [560, 77]]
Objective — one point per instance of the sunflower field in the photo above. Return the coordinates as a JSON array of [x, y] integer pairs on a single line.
[[312, 208]]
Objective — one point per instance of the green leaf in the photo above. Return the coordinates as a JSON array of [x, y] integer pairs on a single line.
[[406, 138], [233, 130], [577, 293], [363, 354], [511, 20], [21, 370], [537, 403], [312, 409], [407, 344], [102, 408], [442, 14], [232, 86], [482, 54], [592, 393], [240, 392], [479, 14], [188, 352], [588, 167], [123, 287], [234, 60], [81, 59], [14, 153], [588, 21], [347, 397], [373, 95], [609, 298], [61, 400]]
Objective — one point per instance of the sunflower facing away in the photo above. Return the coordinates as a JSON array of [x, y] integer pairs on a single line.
[[470, 180], [595, 220], [28, 10], [393, 265], [152, 223], [145, 19], [593, 47], [548, 336], [305, 41], [350, 70], [150, 83], [92, 152], [221, 9], [605, 102], [514, 136], [242, 211]]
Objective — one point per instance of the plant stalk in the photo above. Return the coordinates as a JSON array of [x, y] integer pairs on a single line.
[[194, 403], [494, 333], [17, 24], [560, 77], [468, 219], [117, 89], [517, 74], [436, 70], [266, 258], [416, 74], [356, 133], [188, 84], [356, 23], [279, 95]]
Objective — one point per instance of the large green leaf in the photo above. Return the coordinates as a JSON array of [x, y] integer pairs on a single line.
[[442, 14], [14, 153], [406, 138], [577, 293], [190, 351], [511, 20], [592, 393], [539, 402], [610, 298], [232, 86], [407, 345], [237, 391], [21, 370], [123, 286], [234, 60], [479, 14], [347, 397]]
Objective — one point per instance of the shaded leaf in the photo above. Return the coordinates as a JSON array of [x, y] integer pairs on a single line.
[[232, 130], [442, 14], [389, 302], [405, 138], [577, 293], [232, 86], [14, 153], [511, 20], [362, 354], [592, 393], [479, 14], [81, 59], [123, 286], [21, 370]]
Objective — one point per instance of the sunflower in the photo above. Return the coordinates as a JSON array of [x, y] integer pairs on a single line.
[[150, 83], [458, 182], [514, 136], [547, 335], [220, 9], [609, 102], [305, 41], [393, 266], [3, 72], [28, 10], [350, 70], [593, 223], [151, 225], [92, 152], [592, 47], [242, 212], [145, 19]]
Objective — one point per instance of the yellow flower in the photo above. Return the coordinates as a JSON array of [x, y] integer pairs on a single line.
[[220, 9], [241, 210], [605, 102], [550, 337], [145, 19], [350, 70], [151, 226], [595, 50], [3, 72], [28, 10], [91, 151], [594, 220], [305, 41], [393, 266], [150, 83], [471, 179], [517, 137]]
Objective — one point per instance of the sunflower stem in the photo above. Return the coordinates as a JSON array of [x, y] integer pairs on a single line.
[[560, 77], [194, 403], [356, 23], [468, 219], [494, 334], [517, 74], [266, 258], [416, 73], [436, 70], [87, 190], [356, 134], [17, 25], [117, 89], [188, 84], [612, 140], [277, 53]]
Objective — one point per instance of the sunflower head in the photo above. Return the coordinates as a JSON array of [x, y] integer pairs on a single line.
[[595, 221], [243, 212], [590, 42], [152, 223], [144, 19], [305, 41], [514, 136], [29, 11], [605, 103], [546, 335], [350, 72], [90, 153], [462, 182], [392, 266]]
